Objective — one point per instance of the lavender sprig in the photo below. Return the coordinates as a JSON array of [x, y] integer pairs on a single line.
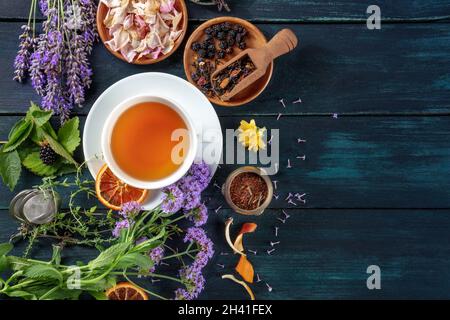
[[22, 60], [56, 60]]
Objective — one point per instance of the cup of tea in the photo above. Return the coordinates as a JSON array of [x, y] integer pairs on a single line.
[[149, 142]]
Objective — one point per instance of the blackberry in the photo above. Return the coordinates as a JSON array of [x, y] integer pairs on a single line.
[[229, 50], [230, 42], [242, 45], [47, 154]]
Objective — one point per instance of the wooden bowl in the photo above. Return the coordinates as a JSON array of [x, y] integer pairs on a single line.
[[255, 39], [102, 10]]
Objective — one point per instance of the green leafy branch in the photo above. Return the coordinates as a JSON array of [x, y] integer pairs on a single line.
[[25, 139]]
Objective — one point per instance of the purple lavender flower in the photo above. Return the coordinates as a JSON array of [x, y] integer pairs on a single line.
[[120, 225], [199, 215], [22, 60], [156, 255], [130, 209], [89, 28], [43, 6], [57, 59], [173, 199]]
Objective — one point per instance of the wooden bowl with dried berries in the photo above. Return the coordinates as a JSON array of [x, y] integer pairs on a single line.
[[214, 43], [248, 190]]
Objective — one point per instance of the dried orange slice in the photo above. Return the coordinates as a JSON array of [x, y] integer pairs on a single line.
[[126, 291], [113, 193]]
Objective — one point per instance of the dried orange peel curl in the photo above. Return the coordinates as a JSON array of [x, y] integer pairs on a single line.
[[245, 269], [246, 228], [228, 224], [242, 283]]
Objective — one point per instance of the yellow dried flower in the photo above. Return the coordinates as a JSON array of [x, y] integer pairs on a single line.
[[251, 136]]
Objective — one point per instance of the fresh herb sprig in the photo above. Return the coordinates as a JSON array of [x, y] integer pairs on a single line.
[[26, 138], [126, 257]]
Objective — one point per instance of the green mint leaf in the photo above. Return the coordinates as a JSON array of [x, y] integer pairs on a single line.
[[21, 294], [44, 272], [10, 168], [98, 295], [34, 163], [58, 148], [26, 148], [150, 243], [108, 256], [3, 265], [39, 116], [18, 134], [69, 135], [5, 248], [135, 260]]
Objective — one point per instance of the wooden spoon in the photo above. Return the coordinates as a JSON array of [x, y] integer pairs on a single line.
[[282, 43]]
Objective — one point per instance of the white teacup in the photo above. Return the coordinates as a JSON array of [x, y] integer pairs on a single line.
[[153, 184]]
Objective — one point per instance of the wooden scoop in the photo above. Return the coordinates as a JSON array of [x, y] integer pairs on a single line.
[[283, 42]]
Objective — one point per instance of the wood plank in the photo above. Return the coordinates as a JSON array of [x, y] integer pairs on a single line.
[[351, 162], [323, 254], [402, 69], [292, 10]]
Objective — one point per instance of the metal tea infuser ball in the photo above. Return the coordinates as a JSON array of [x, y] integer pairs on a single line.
[[35, 206]]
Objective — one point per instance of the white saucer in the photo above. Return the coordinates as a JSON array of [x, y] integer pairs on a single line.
[[188, 97]]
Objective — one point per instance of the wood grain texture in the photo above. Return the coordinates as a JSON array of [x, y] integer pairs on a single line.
[[323, 254], [292, 10], [351, 162], [402, 69]]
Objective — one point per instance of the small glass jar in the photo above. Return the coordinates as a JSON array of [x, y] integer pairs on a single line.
[[263, 174]]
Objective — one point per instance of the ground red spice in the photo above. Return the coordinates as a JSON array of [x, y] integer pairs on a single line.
[[248, 190]]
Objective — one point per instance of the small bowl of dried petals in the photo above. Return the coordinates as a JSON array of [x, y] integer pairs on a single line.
[[142, 31], [248, 190], [214, 43]]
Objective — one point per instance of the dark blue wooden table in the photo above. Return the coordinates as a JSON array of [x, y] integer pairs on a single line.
[[377, 176]]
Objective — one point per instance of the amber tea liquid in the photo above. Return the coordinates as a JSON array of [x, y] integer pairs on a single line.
[[141, 141]]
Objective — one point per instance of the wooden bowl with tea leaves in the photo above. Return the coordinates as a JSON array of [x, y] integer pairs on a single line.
[[254, 38], [103, 31]]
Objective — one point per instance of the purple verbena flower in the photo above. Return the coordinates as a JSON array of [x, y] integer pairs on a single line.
[[190, 184], [201, 172], [198, 235], [130, 209], [199, 215], [182, 294], [156, 255], [191, 200], [172, 200], [193, 280], [120, 225]]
